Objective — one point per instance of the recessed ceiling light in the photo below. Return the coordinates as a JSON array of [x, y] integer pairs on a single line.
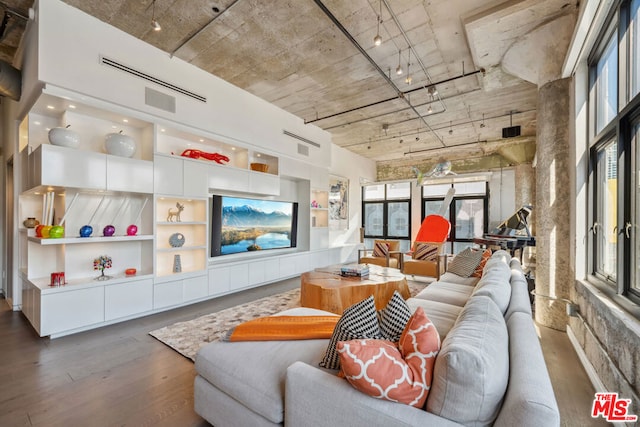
[[114, 127], [163, 130], [201, 140], [125, 120], [51, 107], [36, 123], [233, 148], [72, 106]]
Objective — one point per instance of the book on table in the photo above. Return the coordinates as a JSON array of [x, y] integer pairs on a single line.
[[355, 270]]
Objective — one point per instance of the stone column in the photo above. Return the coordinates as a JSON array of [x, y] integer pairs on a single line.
[[554, 277], [525, 187]]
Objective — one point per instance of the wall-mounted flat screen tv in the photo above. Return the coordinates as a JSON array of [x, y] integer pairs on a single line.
[[240, 225]]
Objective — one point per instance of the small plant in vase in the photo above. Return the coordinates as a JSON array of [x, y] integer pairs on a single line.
[[101, 263]]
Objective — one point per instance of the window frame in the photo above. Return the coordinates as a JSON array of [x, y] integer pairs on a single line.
[[620, 131]]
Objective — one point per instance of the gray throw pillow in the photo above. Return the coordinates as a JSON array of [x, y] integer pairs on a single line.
[[465, 263]]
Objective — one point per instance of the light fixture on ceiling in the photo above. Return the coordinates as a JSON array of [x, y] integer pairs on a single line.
[[408, 79], [430, 110], [377, 40], [482, 124], [399, 68], [154, 24], [450, 128], [431, 90]]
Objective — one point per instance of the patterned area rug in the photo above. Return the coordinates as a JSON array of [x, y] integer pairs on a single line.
[[188, 337]]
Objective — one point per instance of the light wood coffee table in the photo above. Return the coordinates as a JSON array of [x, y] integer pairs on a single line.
[[326, 289]]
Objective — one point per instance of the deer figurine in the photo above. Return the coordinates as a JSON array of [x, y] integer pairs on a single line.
[[175, 213]]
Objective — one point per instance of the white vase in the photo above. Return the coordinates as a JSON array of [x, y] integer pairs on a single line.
[[119, 144], [64, 137]]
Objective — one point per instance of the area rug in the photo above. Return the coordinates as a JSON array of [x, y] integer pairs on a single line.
[[188, 337]]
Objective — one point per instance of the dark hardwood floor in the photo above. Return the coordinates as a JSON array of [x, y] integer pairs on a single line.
[[121, 376]]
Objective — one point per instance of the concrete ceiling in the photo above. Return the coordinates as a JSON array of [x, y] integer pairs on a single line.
[[316, 59]]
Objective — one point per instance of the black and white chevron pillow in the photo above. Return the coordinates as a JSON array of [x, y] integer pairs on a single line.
[[359, 321], [394, 317]]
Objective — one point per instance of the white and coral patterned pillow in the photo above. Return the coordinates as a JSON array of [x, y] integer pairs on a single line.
[[380, 249], [399, 374]]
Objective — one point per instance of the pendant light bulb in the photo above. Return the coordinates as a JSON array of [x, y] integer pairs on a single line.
[[377, 40], [429, 110], [399, 68], [154, 24]]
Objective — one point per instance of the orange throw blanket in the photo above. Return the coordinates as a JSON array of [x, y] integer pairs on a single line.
[[284, 328]]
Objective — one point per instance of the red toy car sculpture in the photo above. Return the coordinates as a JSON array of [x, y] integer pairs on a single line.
[[197, 154]]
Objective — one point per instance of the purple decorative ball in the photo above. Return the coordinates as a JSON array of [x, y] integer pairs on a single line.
[[132, 230], [86, 231], [109, 230]]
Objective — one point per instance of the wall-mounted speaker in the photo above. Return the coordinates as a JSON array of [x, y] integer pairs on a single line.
[[511, 132]]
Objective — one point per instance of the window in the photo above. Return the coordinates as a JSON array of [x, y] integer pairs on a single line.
[[467, 212], [387, 213], [634, 47], [631, 229], [606, 85], [605, 227], [615, 153]]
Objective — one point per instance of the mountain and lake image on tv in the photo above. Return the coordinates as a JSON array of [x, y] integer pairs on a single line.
[[240, 225]]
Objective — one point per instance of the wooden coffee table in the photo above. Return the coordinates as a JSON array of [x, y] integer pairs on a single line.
[[326, 289]]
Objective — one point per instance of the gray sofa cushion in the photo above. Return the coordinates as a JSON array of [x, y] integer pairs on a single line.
[[449, 293], [472, 370], [520, 301], [253, 373], [442, 315], [454, 278], [529, 400]]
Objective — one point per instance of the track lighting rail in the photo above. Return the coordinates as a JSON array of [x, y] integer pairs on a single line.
[[400, 95]]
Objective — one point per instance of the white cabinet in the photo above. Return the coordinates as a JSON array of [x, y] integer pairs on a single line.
[[132, 175], [173, 293], [126, 299], [67, 167], [70, 309], [168, 175], [219, 280]]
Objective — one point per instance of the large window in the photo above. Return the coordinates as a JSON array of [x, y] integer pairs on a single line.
[[387, 213], [467, 212], [605, 227], [614, 104]]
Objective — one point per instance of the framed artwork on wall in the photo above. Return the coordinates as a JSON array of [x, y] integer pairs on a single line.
[[338, 202]]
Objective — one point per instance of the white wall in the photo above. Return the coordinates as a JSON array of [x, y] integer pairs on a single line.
[[346, 164]]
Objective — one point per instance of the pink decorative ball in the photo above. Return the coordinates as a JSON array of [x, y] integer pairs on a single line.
[[132, 230]]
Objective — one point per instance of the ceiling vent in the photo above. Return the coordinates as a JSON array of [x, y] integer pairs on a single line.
[[111, 63], [301, 138]]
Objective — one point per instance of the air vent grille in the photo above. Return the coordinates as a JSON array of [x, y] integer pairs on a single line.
[[301, 138], [145, 76]]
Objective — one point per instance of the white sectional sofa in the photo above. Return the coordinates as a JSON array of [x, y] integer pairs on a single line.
[[490, 369]]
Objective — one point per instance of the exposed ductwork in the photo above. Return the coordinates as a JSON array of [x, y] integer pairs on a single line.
[[10, 81]]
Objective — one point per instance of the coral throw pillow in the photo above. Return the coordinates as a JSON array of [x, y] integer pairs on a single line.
[[380, 249], [486, 254], [399, 374]]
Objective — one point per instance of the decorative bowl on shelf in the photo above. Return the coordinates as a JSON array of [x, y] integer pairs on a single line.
[[259, 167], [64, 137], [119, 144], [130, 272]]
